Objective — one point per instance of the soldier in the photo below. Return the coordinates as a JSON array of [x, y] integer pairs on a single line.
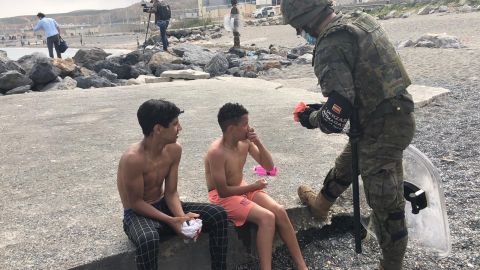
[[235, 15], [359, 71]]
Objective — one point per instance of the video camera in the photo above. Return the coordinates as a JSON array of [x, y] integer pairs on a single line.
[[146, 6]]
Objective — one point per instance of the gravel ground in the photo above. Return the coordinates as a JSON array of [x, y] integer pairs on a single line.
[[447, 132]]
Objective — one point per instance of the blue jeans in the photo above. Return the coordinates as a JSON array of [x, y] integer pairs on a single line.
[[163, 33]]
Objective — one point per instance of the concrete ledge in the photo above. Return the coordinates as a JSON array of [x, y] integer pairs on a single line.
[[175, 254]]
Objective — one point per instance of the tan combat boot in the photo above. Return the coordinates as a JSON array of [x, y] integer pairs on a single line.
[[319, 205]]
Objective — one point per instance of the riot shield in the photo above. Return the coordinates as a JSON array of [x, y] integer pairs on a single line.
[[232, 23], [425, 210]]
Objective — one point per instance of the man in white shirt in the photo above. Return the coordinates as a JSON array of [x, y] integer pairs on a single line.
[[52, 31]]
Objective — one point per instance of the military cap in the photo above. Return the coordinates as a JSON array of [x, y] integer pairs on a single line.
[[299, 13]]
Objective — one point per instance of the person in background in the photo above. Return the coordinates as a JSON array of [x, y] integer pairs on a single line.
[[52, 32], [235, 15], [162, 18]]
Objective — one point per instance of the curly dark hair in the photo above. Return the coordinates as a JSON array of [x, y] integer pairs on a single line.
[[230, 114]]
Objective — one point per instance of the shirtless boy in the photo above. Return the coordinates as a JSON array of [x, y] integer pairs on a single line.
[[243, 202], [151, 212]]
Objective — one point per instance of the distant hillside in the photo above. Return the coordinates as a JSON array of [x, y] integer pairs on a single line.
[[129, 14]]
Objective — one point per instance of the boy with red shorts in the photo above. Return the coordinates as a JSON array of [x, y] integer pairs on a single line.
[[244, 202]]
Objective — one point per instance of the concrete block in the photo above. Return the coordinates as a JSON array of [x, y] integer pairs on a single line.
[[157, 79]]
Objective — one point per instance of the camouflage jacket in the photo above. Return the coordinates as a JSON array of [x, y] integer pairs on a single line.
[[354, 58]]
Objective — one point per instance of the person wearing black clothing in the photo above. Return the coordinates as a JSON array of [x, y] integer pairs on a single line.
[[162, 18], [234, 14]]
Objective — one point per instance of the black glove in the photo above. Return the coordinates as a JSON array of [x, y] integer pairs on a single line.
[[315, 106], [304, 118]]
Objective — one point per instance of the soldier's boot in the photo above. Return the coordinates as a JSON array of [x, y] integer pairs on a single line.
[[236, 42], [318, 204]]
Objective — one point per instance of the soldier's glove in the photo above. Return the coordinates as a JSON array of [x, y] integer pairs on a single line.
[[304, 117]]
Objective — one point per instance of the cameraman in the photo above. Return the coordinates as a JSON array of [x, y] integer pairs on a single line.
[[162, 18]]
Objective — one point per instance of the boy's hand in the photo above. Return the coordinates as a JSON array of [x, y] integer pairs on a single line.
[[192, 215], [252, 136], [176, 225], [260, 184]]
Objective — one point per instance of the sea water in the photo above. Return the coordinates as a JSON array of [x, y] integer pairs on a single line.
[[14, 53]]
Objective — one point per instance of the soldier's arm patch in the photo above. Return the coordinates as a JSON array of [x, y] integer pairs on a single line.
[[334, 114]]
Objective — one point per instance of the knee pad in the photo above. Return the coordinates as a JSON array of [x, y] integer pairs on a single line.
[[333, 187]]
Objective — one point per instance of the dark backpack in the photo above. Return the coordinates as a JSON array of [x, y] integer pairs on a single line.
[[163, 12]]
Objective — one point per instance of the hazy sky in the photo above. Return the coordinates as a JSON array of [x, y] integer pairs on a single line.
[[11, 8]]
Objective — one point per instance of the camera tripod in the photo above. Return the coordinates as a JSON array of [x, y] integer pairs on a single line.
[[146, 33]]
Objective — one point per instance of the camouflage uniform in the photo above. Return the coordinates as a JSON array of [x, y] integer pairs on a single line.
[[234, 14], [354, 58]]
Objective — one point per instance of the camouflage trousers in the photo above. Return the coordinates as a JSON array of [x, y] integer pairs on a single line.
[[236, 39], [380, 152]]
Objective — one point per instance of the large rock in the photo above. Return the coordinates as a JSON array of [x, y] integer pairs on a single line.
[[28, 61], [236, 72], [426, 10], [108, 74], [162, 58], [438, 41], [442, 8], [43, 73], [6, 65], [406, 43], [193, 54], [266, 56], [266, 65], [83, 71], [251, 66], [13, 79], [238, 51], [233, 60], [88, 57], [12, 65], [164, 67], [304, 59], [93, 81], [301, 50], [64, 84], [135, 57], [188, 74], [179, 33], [66, 66], [391, 14], [123, 71], [465, 9], [19, 90], [218, 65]]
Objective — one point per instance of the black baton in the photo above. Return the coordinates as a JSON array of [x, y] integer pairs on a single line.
[[354, 136]]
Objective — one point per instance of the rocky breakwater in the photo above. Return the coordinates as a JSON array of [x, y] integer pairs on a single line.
[[183, 35], [94, 68]]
